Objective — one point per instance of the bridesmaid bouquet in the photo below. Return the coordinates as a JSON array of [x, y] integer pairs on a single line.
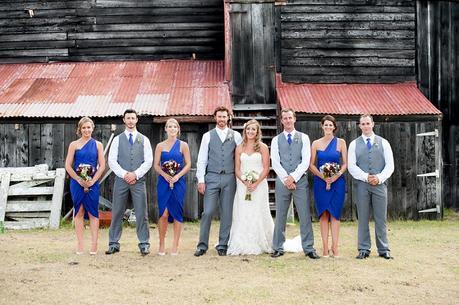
[[171, 168], [328, 170], [85, 172], [249, 176]]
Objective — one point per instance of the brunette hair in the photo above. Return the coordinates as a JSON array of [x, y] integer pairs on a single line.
[[222, 108], [130, 110], [82, 121], [331, 119], [256, 145]]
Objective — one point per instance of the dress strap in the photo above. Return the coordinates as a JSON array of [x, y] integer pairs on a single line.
[[332, 145], [174, 147]]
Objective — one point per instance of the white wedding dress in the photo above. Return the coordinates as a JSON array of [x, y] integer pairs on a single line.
[[252, 227]]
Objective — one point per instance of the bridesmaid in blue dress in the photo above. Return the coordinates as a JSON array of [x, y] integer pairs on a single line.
[[85, 192], [329, 203], [171, 190]]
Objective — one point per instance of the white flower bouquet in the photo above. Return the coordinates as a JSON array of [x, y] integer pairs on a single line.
[[250, 176]]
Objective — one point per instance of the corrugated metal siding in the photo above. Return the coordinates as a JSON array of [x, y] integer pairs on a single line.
[[355, 99], [104, 89]]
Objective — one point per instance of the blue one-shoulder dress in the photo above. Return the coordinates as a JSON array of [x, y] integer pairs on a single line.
[[90, 200], [172, 199], [333, 199]]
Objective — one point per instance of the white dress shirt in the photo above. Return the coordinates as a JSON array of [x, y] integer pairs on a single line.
[[204, 150], [305, 157], [147, 154], [359, 174]]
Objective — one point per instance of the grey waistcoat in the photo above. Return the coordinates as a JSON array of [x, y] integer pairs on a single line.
[[221, 155], [370, 161], [290, 155], [130, 157]]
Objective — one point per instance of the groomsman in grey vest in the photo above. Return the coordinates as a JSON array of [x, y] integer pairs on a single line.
[[290, 156], [216, 180], [371, 163], [130, 158]]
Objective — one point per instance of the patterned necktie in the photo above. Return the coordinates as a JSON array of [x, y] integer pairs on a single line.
[[368, 144], [131, 141], [289, 139]]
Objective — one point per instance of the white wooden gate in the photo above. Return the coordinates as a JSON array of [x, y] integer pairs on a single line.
[[31, 197]]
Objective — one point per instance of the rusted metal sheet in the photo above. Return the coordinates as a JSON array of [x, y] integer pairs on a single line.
[[103, 89], [355, 99]]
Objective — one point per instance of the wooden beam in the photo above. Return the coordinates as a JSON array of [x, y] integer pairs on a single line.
[[27, 215], [28, 206], [58, 195], [5, 183], [27, 224], [34, 191]]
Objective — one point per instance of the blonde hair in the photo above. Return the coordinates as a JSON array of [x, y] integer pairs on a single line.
[[256, 145], [172, 120], [82, 121], [366, 115], [285, 110]]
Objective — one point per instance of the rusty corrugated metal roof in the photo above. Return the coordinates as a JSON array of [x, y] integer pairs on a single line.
[[355, 99], [104, 89]]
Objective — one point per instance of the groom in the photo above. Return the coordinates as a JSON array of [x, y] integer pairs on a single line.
[[216, 179], [130, 158], [371, 163], [290, 156]]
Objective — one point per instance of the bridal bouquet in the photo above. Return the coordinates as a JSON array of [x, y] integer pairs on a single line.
[[251, 177], [171, 168], [328, 170], [85, 172]]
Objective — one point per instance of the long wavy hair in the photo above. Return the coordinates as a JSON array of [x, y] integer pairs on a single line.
[[256, 145]]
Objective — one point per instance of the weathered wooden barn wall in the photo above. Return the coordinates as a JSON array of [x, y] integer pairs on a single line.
[[49, 30], [32, 142], [438, 79], [407, 194], [347, 41], [252, 58]]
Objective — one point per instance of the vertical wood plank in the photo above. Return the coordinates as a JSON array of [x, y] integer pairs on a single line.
[[34, 144], [58, 194], [58, 146], [47, 141], [10, 145], [3, 162], [22, 146], [4, 187]]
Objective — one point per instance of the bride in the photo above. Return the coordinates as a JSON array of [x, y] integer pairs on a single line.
[[252, 227]]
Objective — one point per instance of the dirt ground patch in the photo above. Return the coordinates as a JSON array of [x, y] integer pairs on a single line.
[[39, 267]]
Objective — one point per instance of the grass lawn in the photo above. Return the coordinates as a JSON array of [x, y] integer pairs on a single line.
[[40, 267]]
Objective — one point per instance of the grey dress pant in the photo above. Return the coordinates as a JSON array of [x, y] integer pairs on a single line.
[[301, 201], [375, 197], [138, 192], [220, 191]]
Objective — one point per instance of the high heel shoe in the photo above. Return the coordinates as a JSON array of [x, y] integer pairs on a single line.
[[161, 253], [93, 253]]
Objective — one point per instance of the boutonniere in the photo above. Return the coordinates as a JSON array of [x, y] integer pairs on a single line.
[[229, 137], [138, 140], [296, 138], [375, 144]]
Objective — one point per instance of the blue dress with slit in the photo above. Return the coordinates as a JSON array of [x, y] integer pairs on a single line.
[[172, 199], [333, 199], [86, 155]]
